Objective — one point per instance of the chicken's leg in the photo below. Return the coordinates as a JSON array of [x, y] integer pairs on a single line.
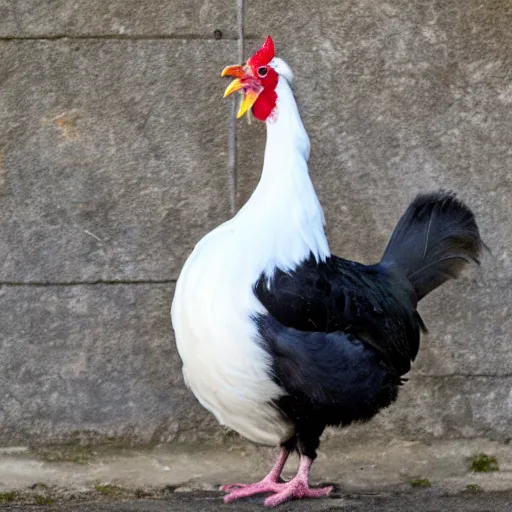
[[298, 487], [269, 484]]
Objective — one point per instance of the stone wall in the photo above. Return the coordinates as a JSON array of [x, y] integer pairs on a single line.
[[114, 162]]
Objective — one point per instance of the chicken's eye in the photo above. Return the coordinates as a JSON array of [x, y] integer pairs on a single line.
[[262, 71]]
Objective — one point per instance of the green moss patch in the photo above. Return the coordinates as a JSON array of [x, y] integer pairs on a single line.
[[6, 497], [421, 482], [483, 463], [110, 490]]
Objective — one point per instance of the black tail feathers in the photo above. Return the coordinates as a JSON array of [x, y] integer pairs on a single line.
[[435, 238]]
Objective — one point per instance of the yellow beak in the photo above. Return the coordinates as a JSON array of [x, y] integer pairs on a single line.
[[234, 86], [234, 71], [244, 82]]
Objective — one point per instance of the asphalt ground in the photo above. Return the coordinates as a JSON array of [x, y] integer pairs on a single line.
[[424, 500]]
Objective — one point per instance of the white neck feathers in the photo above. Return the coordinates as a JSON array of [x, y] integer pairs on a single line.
[[284, 211]]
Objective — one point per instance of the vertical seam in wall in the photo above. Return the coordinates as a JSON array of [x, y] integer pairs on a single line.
[[241, 30], [232, 146]]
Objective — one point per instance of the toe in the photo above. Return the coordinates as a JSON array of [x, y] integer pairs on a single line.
[[318, 493], [239, 494], [262, 487], [277, 499], [296, 493]]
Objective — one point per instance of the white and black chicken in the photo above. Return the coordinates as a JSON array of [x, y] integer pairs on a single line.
[[280, 338]]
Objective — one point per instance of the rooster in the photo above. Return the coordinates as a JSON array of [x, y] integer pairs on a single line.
[[280, 338]]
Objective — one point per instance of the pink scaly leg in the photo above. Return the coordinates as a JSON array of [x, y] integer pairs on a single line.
[[269, 484], [298, 487]]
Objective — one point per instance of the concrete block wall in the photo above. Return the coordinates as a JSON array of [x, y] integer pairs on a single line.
[[114, 162]]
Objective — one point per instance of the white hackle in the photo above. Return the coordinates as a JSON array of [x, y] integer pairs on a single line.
[[283, 219], [214, 304]]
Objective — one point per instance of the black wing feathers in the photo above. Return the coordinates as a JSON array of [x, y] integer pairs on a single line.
[[372, 303]]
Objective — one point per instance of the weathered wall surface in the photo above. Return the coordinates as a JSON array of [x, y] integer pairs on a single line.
[[113, 163]]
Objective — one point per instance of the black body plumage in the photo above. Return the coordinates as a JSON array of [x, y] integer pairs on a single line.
[[341, 334]]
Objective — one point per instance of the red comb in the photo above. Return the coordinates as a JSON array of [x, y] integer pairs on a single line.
[[264, 55]]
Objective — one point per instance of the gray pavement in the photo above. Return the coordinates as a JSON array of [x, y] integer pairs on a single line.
[[417, 501], [375, 476]]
